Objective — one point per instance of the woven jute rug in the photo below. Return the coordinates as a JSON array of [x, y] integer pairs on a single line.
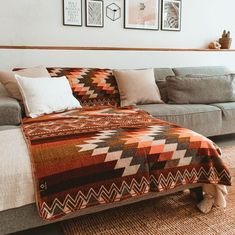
[[169, 215]]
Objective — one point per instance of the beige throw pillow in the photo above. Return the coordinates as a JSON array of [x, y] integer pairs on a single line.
[[9, 81], [137, 87]]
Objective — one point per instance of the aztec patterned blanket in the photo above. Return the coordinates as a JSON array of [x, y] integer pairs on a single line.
[[87, 157]]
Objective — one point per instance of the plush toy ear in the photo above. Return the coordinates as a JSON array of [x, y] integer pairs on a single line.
[[217, 45]]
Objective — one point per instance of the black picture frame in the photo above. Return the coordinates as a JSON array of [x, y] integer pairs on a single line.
[[138, 14], [171, 12], [94, 13], [72, 12]]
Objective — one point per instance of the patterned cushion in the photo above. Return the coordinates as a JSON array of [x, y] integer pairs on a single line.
[[91, 86]]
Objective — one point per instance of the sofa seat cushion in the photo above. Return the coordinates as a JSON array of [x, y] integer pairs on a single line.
[[228, 116], [10, 111], [228, 109], [204, 119], [3, 128]]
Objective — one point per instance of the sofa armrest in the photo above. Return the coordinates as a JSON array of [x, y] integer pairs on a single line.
[[10, 111]]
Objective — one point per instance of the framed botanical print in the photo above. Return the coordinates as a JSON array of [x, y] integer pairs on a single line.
[[141, 14], [72, 12], [171, 15], [94, 13]]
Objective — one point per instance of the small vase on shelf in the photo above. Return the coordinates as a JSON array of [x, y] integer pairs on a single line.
[[225, 41]]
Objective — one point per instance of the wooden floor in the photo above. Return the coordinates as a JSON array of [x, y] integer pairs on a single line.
[[55, 229]]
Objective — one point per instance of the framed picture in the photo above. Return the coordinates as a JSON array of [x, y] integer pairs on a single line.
[[94, 13], [171, 15], [72, 14], [141, 14]]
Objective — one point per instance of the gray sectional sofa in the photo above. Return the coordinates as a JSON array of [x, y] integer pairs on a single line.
[[209, 120]]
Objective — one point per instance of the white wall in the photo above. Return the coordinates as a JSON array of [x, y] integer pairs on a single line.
[[39, 22], [109, 59]]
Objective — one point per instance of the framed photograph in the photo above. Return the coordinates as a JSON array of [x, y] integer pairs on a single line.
[[141, 14], [171, 15], [94, 13], [72, 14]]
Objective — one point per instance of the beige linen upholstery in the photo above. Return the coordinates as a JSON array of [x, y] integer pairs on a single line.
[[137, 87], [16, 182], [9, 82]]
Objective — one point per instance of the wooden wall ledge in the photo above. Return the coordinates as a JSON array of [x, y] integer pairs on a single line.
[[76, 48]]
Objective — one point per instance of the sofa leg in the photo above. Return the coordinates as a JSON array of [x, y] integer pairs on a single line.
[[197, 193]]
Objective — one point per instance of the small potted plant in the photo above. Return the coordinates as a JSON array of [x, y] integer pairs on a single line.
[[225, 41]]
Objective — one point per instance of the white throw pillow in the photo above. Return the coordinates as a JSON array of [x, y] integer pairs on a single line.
[[137, 87], [44, 95]]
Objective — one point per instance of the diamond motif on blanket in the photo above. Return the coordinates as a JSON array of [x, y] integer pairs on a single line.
[[140, 137], [91, 86], [94, 142]]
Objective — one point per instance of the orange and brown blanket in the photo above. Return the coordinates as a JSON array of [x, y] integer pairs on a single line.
[[87, 157]]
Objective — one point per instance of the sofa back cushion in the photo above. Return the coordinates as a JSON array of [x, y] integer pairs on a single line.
[[201, 89], [206, 70], [10, 83], [91, 86], [3, 91], [162, 73], [160, 78], [10, 111]]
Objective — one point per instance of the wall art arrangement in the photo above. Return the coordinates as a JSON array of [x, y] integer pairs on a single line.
[[72, 10], [141, 14], [94, 13], [171, 15], [138, 14]]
